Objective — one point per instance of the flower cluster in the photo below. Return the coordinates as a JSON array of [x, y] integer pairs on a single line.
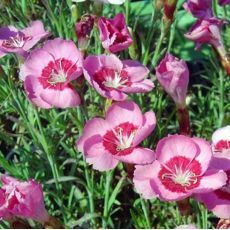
[[181, 166]]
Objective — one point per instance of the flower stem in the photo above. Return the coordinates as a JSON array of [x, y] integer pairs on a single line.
[[184, 207], [184, 121]]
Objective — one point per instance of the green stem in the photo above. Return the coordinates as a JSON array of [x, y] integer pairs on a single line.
[[90, 193], [146, 214], [215, 5], [158, 46], [221, 102], [106, 200]]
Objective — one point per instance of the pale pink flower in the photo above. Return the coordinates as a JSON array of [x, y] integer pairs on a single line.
[[173, 75], [224, 2], [22, 199], [219, 201], [179, 171], [114, 33], [48, 73], [17, 41], [113, 78], [206, 31], [199, 8], [105, 142]]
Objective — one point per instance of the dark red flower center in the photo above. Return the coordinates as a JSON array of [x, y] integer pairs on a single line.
[[17, 41], [57, 73], [108, 78], [180, 174], [119, 141], [224, 192], [222, 145]]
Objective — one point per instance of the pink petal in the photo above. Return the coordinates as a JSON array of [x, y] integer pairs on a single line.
[[35, 63], [138, 156], [149, 123], [141, 180], [221, 160], [115, 95], [36, 31], [90, 65], [122, 112], [139, 87], [103, 161], [60, 48], [33, 89], [205, 156], [212, 180], [111, 61], [176, 145], [220, 207], [95, 126], [135, 70], [65, 98]]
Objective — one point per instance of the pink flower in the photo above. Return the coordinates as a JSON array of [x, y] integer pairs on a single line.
[[113, 78], [199, 8], [219, 201], [105, 142], [206, 31], [173, 75], [180, 170], [17, 41], [114, 33], [83, 30], [48, 73], [22, 199], [221, 141], [224, 2]]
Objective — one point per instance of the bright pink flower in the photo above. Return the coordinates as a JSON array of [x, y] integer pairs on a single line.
[[17, 41], [113, 78], [83, 30], [48, 73], [219, 201], [206, 31], [224, 2], [107, 141], [199, 8], [114, 33], [173, 75], [180, 170], [22, 199]]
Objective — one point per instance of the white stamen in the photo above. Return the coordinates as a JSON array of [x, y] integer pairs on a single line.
[[58, 76], [184, 178], [124, 141], [115, 82], [15, 42]]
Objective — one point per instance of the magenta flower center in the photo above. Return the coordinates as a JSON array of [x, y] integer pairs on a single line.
[[119, 140], [15, 42], [222, 145], [224, 192], [57, 73], [180, 174], [111, 79]]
